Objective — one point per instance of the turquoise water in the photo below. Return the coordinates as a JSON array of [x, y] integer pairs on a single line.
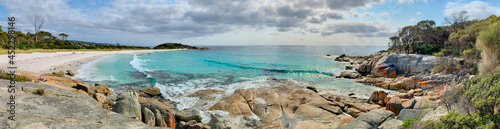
[[179, 73]]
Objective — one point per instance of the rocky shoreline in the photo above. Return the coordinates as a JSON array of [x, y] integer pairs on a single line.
[[414, 93]]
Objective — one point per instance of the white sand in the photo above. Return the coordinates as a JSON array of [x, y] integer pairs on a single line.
[[60, 61]]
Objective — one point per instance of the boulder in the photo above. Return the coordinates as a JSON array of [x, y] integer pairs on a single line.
[[101, 99], [377, 96], [159, 119], [391, 124], [307, 124], [348, 74], [83, 86], [59, 109], [409, 104], [188, 114], [70, 73], [149, 92], [365, 67], [81, 92], [148, 117], [412, 113], [394, 105], [405, 83], [166, 113], [370, 120], [59, 74], [193, 125], [354, 112], [128, 105], [270, 104], [385, 67], [102, 89], [435, 114], [423, 104], [312, 88]]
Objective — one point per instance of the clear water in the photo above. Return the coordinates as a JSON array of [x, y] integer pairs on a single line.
[[178, 73]]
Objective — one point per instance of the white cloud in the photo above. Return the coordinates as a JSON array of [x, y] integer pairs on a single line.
[[384, 15], [413, 20], [418, 13], [412, 1], [475, 9]]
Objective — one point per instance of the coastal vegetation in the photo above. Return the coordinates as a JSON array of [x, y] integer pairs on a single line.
[[173, 46], [458, 35], [43, 41], [483, 95]]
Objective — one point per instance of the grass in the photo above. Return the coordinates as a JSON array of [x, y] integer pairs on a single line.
[[4, 51]]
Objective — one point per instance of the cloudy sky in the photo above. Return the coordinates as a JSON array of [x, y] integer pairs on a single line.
[[235, 22]]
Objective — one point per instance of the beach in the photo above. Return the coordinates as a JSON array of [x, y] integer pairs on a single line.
[[61, 61]]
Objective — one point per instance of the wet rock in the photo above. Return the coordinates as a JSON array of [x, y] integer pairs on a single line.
[[128, 105], [189, 114], [312, 88], [349, 67]]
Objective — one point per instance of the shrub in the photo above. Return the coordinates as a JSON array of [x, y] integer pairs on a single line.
[[483, 93], [408, 122], [40, 91], [489, 42]]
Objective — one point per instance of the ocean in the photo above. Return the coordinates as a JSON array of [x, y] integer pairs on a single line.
[[180, 73]]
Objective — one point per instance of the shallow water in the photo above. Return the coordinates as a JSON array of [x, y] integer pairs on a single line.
[[179, 73]]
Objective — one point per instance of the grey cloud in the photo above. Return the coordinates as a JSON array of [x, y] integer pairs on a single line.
[[350, 4], [188, 18], [359, 28], [288, 12]]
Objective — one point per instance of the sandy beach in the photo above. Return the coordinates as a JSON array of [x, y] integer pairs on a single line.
[[61, 61]]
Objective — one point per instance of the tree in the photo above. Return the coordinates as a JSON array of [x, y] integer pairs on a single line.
[[38, 22], [457, 20], [424, 28], [63, 36]]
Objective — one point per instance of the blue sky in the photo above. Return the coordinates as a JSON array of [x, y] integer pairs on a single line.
[[236, 22]]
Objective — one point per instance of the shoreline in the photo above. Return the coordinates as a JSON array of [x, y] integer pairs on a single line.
[[41, 63]]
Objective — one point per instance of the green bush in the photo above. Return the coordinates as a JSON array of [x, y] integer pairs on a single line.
[[408, 122], [489, 42]]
